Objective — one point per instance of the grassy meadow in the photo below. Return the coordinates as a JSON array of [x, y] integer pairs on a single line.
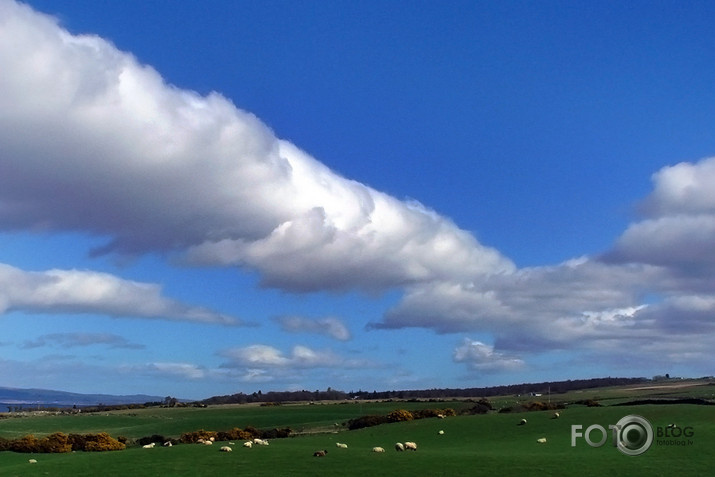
[[490, 444]]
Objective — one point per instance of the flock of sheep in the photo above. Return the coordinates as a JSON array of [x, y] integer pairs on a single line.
[[540, 440], [399, 446]]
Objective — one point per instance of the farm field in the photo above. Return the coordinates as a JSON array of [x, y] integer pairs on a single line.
[[490, 444]]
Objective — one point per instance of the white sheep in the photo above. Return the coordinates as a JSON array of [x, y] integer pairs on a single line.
[[378, 449], [212, 439], [522, 422], [410, 446], [168, 444], [200, 441], [541, 440], [441, 416], [208, 443], [260, 442], [248, 444], [399, 447], [32, 461], [341, 445], [149, 446], [441, 432], [556, 415], [225, 449]]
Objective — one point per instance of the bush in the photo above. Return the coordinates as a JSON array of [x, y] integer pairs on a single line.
[[366, 421], [26, 444], [400, 415], [234, 434], [4, 444], [56, 443], [158, 438], [101, 442], [193, 437]]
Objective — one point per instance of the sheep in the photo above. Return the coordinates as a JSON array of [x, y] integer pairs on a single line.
[[410, 446], [541, 440], [32, 461], [225, 449], [556, 415], [378, 449], [212, 439], [208, 443], [399, 447], [168, 444], [200, 441], [248, 444], [441, 432], [441, 416], [522, 422], [149, 446], [260, 442], [320, 453], [341, 445]]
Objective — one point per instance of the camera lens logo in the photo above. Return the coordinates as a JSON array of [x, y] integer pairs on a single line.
[[634, 435]]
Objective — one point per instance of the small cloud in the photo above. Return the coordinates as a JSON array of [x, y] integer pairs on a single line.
[[261, 356], [329, 326], [73, 340], [82, 291], [482, 357], [167, 369]]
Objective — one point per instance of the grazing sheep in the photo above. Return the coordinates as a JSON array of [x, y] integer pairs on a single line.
[[556, 415], [541, 440], [32, 461], [441, 416], [168, 444], [341, 445], [248, 444], [208, 443], [212, 439], [149, 446], [399, 447], [200, 441], [441, 432], [522, 422], [225, 449], [410, 446], [378, 449], [260, 442], [320, 453]]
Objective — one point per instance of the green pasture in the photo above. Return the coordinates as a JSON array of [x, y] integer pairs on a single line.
[[491, 444]]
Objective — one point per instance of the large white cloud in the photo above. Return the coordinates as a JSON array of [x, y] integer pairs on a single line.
[[78, 291], [91, 140]]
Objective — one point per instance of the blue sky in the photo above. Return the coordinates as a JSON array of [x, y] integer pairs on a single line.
[[204, 198]]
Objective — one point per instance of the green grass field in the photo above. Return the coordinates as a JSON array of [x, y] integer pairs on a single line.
[[491, 444]]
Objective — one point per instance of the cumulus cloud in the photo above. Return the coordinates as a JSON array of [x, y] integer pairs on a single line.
[[329, 326], [678, 230], [77, 291], [481, 357], [93, 141], [72, 340], [655, 285]]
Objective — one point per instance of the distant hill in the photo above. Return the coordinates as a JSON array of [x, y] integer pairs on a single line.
[[50, 398]]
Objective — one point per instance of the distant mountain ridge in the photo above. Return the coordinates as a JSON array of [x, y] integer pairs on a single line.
[[50, 398]]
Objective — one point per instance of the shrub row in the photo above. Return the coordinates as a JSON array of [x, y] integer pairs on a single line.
[[60, 443], [234, 434], [398, 415]]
